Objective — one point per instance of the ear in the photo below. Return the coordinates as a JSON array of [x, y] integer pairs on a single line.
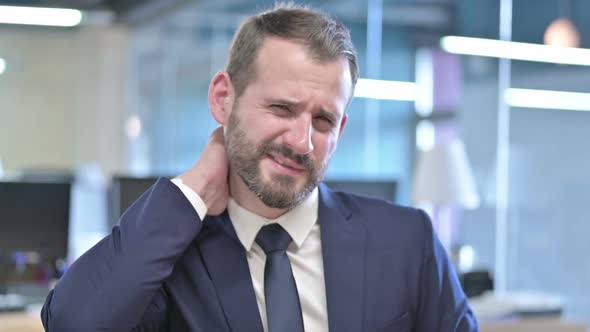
[[342, 124], [221, 97]]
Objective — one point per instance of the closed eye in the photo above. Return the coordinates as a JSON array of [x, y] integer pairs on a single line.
[[323, 123], [325, 118], [279, 106], [281, 109]]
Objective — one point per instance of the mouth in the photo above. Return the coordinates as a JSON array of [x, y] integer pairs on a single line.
[[286, 165]]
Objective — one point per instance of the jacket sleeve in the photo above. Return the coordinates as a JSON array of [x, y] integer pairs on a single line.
[[116, 285], [443, 305]]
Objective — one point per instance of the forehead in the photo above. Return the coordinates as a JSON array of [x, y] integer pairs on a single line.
[[287, 65]]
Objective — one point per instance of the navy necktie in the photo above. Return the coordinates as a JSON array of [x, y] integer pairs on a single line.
[[283, 309]]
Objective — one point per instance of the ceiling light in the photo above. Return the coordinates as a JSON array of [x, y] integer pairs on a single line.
[[2, 66], [562, 32], [516, 51], [40, 16], [386, 90], [548, 99]]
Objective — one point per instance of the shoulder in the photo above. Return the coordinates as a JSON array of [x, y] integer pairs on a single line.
[[387, 221], [380, 210], [382, 214]]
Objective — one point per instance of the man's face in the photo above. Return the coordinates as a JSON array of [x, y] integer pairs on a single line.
[[284, 128]]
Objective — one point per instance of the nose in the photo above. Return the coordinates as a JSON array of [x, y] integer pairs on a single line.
[[298, 137]]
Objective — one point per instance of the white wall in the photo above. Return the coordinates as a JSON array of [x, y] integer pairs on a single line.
[[63, 97]]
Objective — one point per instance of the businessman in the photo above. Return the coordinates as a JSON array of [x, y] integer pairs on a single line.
[[249, 239]]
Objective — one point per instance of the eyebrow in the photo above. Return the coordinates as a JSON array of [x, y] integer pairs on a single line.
[[294, 104], [282, 101], [331, 116]]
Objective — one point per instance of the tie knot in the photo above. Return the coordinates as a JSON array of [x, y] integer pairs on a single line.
[[272, 238]]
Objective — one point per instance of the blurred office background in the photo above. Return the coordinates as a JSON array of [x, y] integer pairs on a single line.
[[122, 97]]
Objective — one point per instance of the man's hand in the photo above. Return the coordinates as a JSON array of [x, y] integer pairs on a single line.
[[208, 176]]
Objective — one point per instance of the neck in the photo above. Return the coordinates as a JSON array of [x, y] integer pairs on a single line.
[[249, 201]]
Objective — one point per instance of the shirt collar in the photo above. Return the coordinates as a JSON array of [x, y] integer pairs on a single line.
[[298, 222]]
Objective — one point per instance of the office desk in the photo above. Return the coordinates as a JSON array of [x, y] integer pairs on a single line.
[[20, 322], [534, 325]]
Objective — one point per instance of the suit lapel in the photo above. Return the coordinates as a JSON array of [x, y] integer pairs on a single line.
[[343, 250], [225, 259]]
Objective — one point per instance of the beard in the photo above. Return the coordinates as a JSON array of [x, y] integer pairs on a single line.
[[245, 157]]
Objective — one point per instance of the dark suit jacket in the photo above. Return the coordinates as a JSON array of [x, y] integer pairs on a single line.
[[162, 269]]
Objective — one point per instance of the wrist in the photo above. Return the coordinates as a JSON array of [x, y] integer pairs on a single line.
[[202, 187]]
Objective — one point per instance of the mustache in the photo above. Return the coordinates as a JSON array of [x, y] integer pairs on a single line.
[[301, 159]]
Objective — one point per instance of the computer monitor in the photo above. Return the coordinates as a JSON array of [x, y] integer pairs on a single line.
[[34, 217], [383, 189], [123, 191]]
